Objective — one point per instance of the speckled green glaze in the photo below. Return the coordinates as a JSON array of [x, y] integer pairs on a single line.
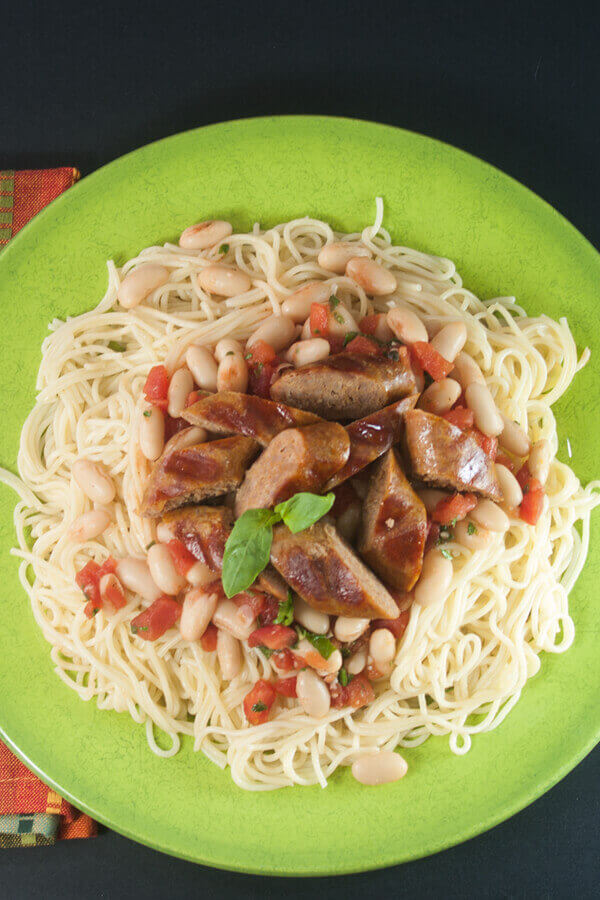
[[505, 240]]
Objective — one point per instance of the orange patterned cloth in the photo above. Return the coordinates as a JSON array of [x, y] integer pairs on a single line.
[[30, 812]]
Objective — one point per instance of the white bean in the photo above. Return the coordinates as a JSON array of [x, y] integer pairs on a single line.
[[303, 353], [232, 374], [341, 321], [312, 619], [382, 647], [539, 460], [513, 438], [180, 385], [198, 609], [381, 767], [371, 276], [229, 654], [164, 533], [226, 346], [489, 515], [335, 256], [199, 574], [152, 432], [297, 305], [306, 333], [407, 326], [436, 577], [277, 331], [313, 694], [163, 571], [226, 281], [430, 497], [187, 437], [510, 487], [450, 340], [332, 665], [135, 575], [481, 402], [203, 367], [348, 629], [440, 396], [234, 619], [357, 662], [471, 536], [466, 371], [139, 283], [311, 656], [89, 525], [205, 234], [94, 480], [382, 331]]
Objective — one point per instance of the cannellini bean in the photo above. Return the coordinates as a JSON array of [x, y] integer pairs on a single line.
[[481, 402], [407, 326], [332, 665], [232, 374], [513, 438], [226, 346], [164, 534], [382, 647], [489, 515], [341, 321], [304, 352], [450, 340], [198, 609], [371, 276], [357, 661], [306, 333], [440, 396], [236, 620], [134, 574], [539, 460], [297, 305], [203, 367], [163, 571], [471, 536], [180, 385], [152, 432], [312, 619], [187, 437], [510, 487], [313, 694], [110, 585], [381, 767], [349, 522], [466, 371], [94, 480], [199, 574], [430, 497], [436, 577], [277, 331], [139, 284], [226, 281], [348, 629], [89, 525], [229, 654], [335, 256], [205, 234]]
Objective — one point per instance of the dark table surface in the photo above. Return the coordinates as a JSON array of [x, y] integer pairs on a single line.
[[515, 83]]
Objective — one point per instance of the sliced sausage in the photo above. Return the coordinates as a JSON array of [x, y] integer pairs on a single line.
[[229, 412], [394, 526], [192, 474], [299, 459], [347, 386], [372, 436], [204, 531], [442, 455], [324, 570], [271, 582]]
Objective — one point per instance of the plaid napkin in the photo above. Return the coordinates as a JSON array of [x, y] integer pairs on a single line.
[[30, 812]]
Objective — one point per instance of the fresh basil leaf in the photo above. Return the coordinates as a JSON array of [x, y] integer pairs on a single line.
[[247, 550], [285, 616], [334, 301], [349, 336], [266, 651], [343, 677], [304, 509], [322, 644], [117, 346]]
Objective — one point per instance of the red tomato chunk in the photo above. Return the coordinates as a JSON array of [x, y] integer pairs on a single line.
[[319, 319], [183, 560], [156, 388], [454, 508], [358, 692], [258, 702], [369, 324], [260, 352], [533, 501], [363, 346], [397, 626], [286, 687], [286, 660], [460, 416], [275, 637], [208, 641], [158, 618], [430, 360], [88, 579]]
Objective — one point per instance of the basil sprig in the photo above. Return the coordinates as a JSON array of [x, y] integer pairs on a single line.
[[248, 546], [321, 643], [285, 616]]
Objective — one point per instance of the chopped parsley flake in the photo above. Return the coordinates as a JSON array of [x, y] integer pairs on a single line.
[[259, 707], [343, 677], [224, 248], [285, 616], [151, 544], [349, 337], [472, 528], [136, 628], [266, 651], [446, 553], [147, 413], [338, 318], [117, 346], [333, 301]]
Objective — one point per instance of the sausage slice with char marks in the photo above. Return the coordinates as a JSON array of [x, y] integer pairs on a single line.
[[204, 531]]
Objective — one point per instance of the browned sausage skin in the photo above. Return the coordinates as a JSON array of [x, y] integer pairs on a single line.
[[204, 531], [394, 526]]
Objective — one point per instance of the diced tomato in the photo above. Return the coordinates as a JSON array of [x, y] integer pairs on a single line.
[[88, 580], [252, 600], [208, 641], [263, 369], [363, 346], [270, 610], [192, 398], [433, 534], [286, 660], [345, 496], [260, 352], [396, 626], [358, 692], [369, 324], [275, 637], [108, 567], [183, 560], [286, 687], [488, 444], [113, 593], [319, 319], [156, 388], [430, 360], [533, 501], [156, 619], [504, 460], [460, 416], [523, 476], [258, 702], [453, 508], [90, 610]]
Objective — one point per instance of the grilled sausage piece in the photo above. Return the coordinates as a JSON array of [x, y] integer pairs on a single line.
[[324, 570], [394, 526], [443, 455], [204, 531], [346, 386], [230, 412], [372, 436], [193, 474], [299, 459]]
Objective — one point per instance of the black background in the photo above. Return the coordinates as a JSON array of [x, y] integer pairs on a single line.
[[514, 83]]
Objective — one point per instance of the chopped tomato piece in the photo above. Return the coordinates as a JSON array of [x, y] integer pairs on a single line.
[[488, 444], [270, 610], [433, 534], [345, 496], [286, 687], [369, 324], [113, 593], [504, 460], [260, 352], [88, 580], [460, 416], [90, 610], [533, 501], [192, 398], [275, 637], [208, 641], [358, 692], [397, 626], [363, 346], [286, 660], [261, 375], [258, 702], [156, 388], [523, 476], [108, 567], [252, 600], [156, 619], [454, 508], [183, 560], [319, 319], [430, 360]]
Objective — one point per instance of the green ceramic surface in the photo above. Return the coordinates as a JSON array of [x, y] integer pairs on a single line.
[[505, 240]]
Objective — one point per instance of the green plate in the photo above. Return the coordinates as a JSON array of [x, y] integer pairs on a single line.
[[505, 240]]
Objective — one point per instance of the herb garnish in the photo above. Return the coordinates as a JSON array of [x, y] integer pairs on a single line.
[[224, 248], [472, 528], [349, 337], [334, 301], [117, 346], [446, 553], [321, 644], [266, 651], [343, 677], [285, 616], [136, 628], [259, 707], [147, 413]]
